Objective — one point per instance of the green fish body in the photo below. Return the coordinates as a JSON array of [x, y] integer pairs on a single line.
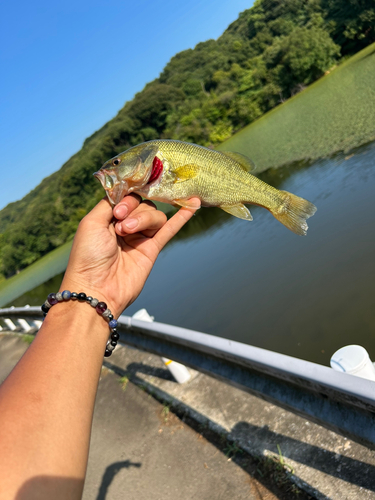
[[185, 171]]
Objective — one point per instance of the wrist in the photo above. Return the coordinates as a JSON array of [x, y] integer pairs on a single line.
[[96, 292], [78, 315], [90, 314]]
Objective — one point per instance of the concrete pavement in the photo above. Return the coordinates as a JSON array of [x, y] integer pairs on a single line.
[[140, 450]]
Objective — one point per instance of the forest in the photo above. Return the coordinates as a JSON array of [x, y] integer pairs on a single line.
[[204, 95]]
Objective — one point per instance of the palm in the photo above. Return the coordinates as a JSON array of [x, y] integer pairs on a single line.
[[114, 267], [130, 260]]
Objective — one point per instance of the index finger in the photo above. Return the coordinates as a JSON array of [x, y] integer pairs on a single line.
[[173, 225], [129, 203]]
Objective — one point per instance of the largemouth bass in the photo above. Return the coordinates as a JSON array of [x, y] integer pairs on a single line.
[[174, 172]]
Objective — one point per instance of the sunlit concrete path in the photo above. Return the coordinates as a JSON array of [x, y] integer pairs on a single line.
[[142, 451]]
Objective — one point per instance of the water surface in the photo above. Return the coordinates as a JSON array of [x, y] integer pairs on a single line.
[[258, 283]]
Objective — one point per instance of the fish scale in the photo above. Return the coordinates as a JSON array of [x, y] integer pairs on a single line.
[[218, 179], [227, 185]]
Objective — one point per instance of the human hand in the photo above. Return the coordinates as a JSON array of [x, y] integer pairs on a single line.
[[112, 261]]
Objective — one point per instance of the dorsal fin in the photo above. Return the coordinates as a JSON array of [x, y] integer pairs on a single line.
[[245, 162]]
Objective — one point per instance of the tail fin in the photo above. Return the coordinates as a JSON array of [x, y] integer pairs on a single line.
[[293, 213]]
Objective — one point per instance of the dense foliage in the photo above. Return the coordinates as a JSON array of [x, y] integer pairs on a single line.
[[203, 95]]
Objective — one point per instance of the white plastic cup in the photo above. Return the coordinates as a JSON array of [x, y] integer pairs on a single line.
[[353, 359], [143, 315], [179, 371]]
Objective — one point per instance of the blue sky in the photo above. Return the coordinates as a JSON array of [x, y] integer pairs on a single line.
[[68, 67]]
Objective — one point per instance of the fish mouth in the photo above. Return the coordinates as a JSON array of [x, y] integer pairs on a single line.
[[100, 176], [115, 189], [142, 175]]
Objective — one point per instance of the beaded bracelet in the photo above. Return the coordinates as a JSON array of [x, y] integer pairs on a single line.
[[100, 307]]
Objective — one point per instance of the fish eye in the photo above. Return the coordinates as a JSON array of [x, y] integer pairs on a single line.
[[116, 162]]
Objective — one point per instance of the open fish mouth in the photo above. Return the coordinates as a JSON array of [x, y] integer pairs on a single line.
[[142, 174], [114, 188]]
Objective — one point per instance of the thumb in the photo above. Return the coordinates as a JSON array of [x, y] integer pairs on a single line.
[[102, 213]]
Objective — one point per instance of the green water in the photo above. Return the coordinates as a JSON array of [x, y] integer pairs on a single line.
[[38, 273], [258, 283], [336, 113]]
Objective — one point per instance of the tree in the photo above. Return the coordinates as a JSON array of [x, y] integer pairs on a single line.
[[203, 95], [350, 23], [301, 57]]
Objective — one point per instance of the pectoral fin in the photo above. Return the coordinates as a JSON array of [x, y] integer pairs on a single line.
[[186, 172], [239, 211], [188, 203]]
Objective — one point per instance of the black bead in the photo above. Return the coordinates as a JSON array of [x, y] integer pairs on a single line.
[[115, 336], [44, 315], [81, 296], [89, 299], [73, 295], [110, 317], [114, 343], [45, 309], [107, 353]]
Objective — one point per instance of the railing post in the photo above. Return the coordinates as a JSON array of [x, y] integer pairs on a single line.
[[24, 324], [10, 324]]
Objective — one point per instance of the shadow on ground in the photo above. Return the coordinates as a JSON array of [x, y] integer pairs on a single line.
[[110, 474], [334, 464], [272, 475], [348, 469]]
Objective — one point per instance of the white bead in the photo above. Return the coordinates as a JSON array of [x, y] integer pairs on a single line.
[[109, 346], [59, 296], [106, 313], [94, 302]]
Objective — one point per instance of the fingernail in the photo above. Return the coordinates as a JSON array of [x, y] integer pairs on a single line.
[[119, 228], [130, 223], [121, 211]]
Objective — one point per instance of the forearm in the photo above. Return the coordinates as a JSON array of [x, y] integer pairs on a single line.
[[46, 404]]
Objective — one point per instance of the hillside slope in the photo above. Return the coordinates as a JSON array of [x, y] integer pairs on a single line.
[[205, 95], [336, 113]]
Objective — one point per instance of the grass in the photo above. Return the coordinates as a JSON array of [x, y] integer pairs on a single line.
[[275, 467], [165, 412], [28, 339], [336, 113], [123, 381], [232, 449]]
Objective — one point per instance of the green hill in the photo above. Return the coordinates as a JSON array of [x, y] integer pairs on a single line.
[[204, 95], [336, 113]]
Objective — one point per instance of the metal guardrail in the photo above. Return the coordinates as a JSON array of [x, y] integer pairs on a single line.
[[338, 401]]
